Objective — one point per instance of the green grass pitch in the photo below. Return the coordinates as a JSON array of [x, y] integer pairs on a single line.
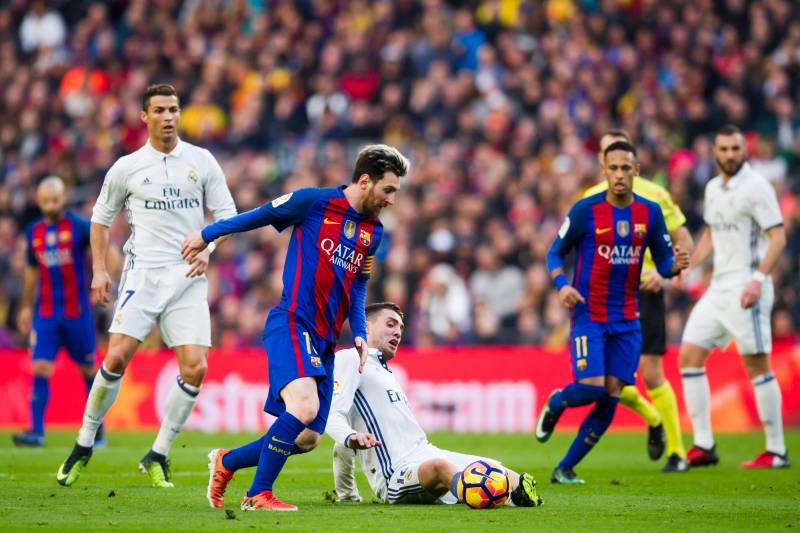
[[624, 490]]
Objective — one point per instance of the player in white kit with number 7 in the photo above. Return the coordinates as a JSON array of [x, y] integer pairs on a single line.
[[163, 187], [746, 235]]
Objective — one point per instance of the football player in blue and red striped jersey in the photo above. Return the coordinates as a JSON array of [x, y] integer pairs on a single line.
[[610, 232], [59, 315], [336, 234]]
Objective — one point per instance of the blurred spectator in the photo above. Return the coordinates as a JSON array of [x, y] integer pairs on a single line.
[[499, 104]]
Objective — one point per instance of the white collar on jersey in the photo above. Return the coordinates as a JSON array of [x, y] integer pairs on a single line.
[[176, 152], [738, 177], [374, 352]]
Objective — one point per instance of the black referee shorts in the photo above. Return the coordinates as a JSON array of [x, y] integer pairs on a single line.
[[652, 316]]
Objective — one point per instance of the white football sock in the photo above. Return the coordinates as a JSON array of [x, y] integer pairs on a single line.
[[101, 398], [697, 396], [768, 401], [181, 400]]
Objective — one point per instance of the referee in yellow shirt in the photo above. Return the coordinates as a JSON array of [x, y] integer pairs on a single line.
[[662, 415]]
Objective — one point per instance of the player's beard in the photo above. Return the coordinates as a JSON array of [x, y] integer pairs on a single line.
[[730, 168]]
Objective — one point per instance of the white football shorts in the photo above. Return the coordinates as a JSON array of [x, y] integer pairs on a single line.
[[718, 317], [166, 295], [404, 486]]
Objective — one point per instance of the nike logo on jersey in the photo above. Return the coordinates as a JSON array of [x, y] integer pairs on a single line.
[[600, 231], [329, 221], [281, 441]]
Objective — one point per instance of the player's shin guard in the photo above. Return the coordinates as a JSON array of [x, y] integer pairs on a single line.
[[575, 395], [768, 401], [39, 399], [631, 398], [663, 398], [181, 400], [594, 425], [697, 395], [276, 449], [104, 391]]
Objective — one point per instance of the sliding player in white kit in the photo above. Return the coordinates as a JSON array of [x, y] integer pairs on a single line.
[[370, 418], [746, 235], [163, 187]]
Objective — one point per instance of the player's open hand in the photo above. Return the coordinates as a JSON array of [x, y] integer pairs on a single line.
[[570, 297], [193, 244], [751, 294], [198, 265], [25, 319], [681, 260], [101, 285], [361, 346], [651, 281], [362, 441]]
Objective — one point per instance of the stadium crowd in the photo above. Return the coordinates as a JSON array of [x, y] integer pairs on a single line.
[[498, 103]]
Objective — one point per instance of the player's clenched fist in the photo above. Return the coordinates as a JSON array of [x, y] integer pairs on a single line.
[[193, 244], [362, 441], [570, 297], [101, 284], [681, 260]]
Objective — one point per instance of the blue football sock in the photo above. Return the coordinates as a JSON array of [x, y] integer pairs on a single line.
[[247, 456], [244, 456], [276, 448], [39, 397], [575, 395], [594, 425]]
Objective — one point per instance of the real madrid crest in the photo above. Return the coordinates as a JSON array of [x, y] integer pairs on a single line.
[[192, 176], [623, 228], [349, 229]]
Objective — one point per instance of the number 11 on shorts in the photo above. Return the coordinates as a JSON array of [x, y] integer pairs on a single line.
[[580, 346]]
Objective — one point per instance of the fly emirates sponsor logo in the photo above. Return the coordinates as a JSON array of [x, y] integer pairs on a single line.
[[343, 256], [620, 254]]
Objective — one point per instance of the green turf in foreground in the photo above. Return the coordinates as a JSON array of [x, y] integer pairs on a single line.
[[624, 490]]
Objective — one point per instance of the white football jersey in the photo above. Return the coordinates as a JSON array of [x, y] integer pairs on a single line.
[[738, 214], [163, 195], [372, 402]]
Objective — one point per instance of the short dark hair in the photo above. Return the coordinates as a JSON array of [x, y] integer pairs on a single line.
[[159, 89], [729, 129], [371, 309], [619, 145], [618, 132], [377, 159]]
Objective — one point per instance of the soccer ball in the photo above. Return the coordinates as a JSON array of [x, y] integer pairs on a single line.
[[483, 485]]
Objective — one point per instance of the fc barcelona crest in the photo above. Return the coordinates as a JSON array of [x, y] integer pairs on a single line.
[[640, 230], [623, 228], [365, 237], [349, 229]]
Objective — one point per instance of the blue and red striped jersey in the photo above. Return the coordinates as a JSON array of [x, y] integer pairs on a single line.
[[58, 251], [610, 244], [329, 259]]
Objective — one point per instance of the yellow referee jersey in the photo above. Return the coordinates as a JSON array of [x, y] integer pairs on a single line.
[[655, 193]]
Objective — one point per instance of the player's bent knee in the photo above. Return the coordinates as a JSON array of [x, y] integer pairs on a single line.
[[194, 372], [692, 356], [115, 361], [305, 413]]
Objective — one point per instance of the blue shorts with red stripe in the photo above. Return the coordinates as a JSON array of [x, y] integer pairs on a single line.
[[77, 335], [605, 349], [294, 351]]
